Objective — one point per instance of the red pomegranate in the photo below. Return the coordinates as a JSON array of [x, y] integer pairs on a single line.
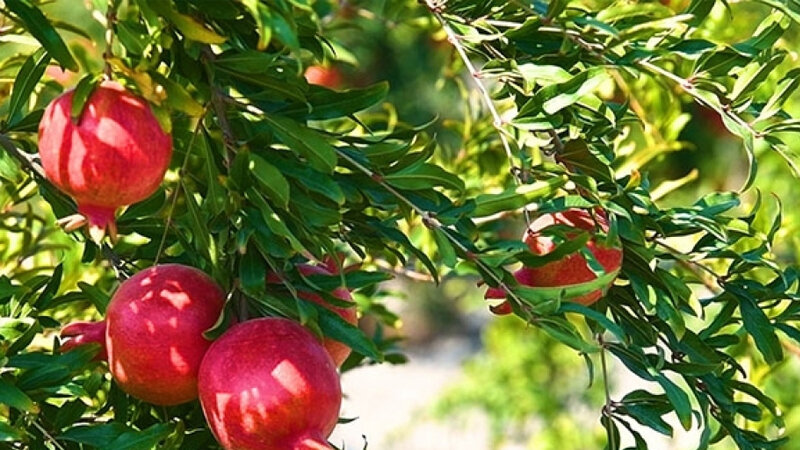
[[115, 155], [268, 384], [327, 76], [338, 351], [154, 332], [571, 269]]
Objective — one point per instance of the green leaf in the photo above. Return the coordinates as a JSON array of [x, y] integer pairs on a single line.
[[94, 435], [339, 329], [190, 27], [678, 398], [177, 96], [753, 74], [28, 77], [566, 333], [252, 271], [50, 290], [597, 316], [759, 326], [271, 179], [273, 221], [328, 104], [516, 197], [446, 250], [554, 98], [305, 141], [263, 18], [139, 440], [424, 176], [197, 223], [38, 26], [83, 90], [576, 153], [12, 396]]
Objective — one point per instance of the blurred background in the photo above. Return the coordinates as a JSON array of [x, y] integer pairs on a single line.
[[472, 380]]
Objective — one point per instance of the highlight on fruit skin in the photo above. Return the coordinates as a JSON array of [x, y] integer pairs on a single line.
[[571, 269], [338, 350], [153, 332], [268, 384], [114, 155]]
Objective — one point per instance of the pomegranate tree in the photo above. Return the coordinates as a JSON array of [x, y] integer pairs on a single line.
[[571, 269], [153, 332], [338, 350], [268, 384], [113, 155]]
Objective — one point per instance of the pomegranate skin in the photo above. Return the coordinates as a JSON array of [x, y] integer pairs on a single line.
[[569, 270], [338, 350], [268, 384], [329, 77], [77, 334], [154, 332], [115, 155], [573, 268]]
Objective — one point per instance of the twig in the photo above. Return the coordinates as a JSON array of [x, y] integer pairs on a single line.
[[47, 435], [411, 274], [111, 18], [116, 262], [181, 172], [700, 270], [29, 161], [607, 406], [218, 99]]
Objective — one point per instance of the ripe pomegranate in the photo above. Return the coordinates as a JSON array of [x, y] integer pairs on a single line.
[[268, 384], [569, 270], [154, 332], [115, 155], [338, 350], [327, 76]]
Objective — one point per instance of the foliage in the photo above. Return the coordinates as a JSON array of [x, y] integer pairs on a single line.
[[270, 171]]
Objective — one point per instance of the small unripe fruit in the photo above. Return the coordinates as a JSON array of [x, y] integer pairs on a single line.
[[268, 384]]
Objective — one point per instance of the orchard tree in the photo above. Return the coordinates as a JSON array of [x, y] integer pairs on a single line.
[[286, 191]]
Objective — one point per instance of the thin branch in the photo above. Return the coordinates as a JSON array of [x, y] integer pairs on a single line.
[[454, 39], [181, 172], [47, 435], [108, 54], [700, 270], [410, 274], [27, 160], [607, 406]]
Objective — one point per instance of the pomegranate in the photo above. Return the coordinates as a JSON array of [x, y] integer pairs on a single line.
[[268, 384], [338, 350], [154, 332], [115, 155], [326, 76], [569, 270]]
